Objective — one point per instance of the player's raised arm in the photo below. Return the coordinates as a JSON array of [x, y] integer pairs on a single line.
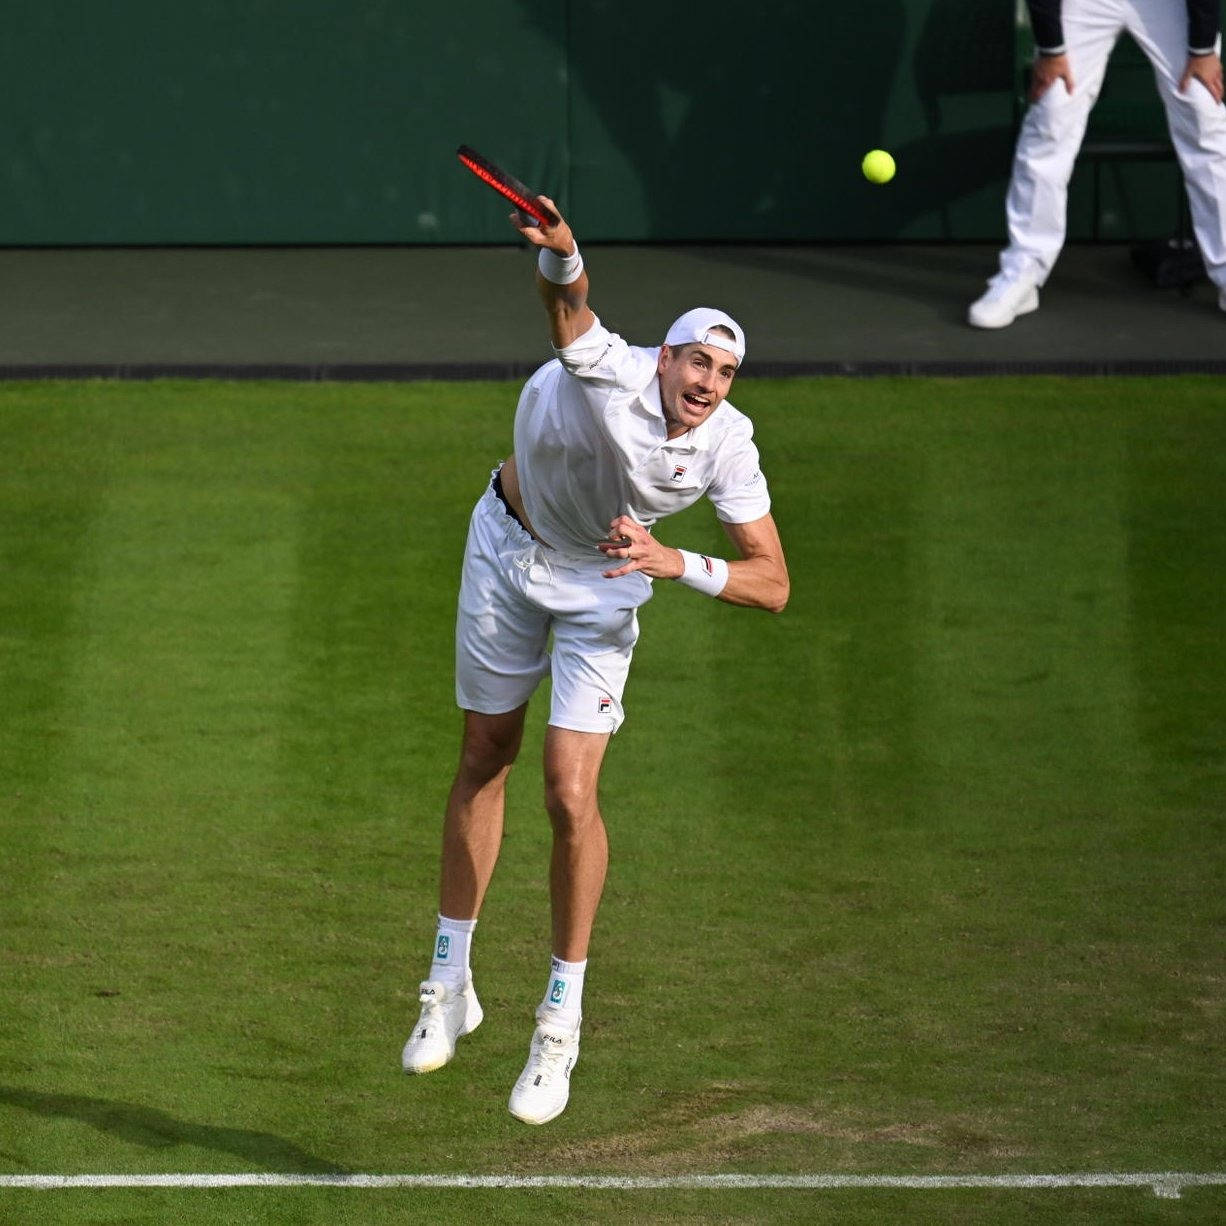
[[561, 278]]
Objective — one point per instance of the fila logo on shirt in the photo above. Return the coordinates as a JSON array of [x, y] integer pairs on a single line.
[[678, 473]]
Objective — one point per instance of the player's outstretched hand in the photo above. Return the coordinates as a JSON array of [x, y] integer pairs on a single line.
[[557, 238], [636, 549]]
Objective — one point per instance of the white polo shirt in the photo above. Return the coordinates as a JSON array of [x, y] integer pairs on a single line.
[[591, 444]]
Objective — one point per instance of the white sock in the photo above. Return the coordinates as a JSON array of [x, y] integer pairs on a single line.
[[451, 945], [564, 995]]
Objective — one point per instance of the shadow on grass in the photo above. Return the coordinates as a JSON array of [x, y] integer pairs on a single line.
[[157, 1130]]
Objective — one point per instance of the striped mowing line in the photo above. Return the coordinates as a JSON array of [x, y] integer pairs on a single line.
[[1168, 1184]]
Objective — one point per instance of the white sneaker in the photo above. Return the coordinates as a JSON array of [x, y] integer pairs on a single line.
[[446, 1014], [1006, 299], [543, 1087]]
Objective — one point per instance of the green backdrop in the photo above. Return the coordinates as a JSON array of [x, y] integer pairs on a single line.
[[336, 121]]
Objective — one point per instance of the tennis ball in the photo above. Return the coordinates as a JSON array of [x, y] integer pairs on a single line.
[[878, 166]]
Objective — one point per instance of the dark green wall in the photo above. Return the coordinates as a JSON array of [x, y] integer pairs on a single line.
[[336, 121]]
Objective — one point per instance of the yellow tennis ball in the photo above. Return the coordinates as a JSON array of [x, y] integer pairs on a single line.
[[878, 166]]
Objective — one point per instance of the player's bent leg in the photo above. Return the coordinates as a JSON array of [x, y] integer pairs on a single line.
[[472, 835], [472, 826]]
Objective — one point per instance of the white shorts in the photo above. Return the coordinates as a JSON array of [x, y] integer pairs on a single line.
[[514, 593]]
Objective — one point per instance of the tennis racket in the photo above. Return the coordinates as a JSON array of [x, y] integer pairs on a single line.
[[531, 210]]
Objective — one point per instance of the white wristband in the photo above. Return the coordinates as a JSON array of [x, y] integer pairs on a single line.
[[560, 269], [703, 574]]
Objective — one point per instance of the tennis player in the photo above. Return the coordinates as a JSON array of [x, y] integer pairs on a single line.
[[608, 439]]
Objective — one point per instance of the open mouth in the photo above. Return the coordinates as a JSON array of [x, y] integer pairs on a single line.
[[697, 403]]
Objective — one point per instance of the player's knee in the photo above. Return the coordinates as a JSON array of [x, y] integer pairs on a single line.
[[491, 745], [571, 806], [479, 767]]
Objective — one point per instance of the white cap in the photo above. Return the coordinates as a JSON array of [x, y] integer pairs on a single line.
[[694, 328]]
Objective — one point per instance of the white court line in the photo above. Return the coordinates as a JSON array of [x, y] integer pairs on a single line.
[[1167, 1184]]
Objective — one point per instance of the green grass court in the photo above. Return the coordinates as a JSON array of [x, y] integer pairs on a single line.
[[922, 877]]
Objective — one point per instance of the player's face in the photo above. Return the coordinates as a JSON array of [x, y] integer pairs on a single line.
[[693, 381]]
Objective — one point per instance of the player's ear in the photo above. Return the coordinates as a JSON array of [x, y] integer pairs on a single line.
[[666, 355]]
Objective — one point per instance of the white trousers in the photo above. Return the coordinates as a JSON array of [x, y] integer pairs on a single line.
[[1053, 129]]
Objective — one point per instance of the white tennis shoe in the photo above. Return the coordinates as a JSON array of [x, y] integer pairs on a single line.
[[543, 1087], [1005, 300], [446, 1014]]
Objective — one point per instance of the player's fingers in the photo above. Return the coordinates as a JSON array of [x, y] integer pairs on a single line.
[[618, 545], [529, 229], [623, 528]]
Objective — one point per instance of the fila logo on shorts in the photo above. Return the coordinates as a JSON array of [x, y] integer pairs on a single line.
[[604, 705], [678, 472]]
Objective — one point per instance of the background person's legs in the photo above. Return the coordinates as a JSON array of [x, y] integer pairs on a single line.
[[1036, 205], [1197, 125]]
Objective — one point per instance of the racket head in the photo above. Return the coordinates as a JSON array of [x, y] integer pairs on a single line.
[[507, 185]]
